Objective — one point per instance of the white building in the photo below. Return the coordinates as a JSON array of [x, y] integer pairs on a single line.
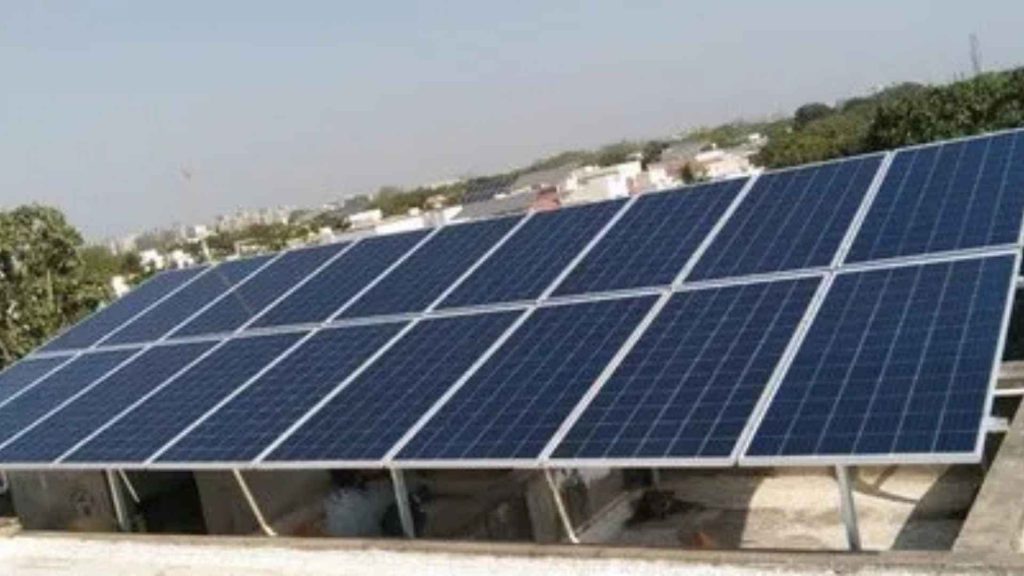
[[592, 184], [658, 176], [180, 259], [366, 218], [152, 260], [719, 164]]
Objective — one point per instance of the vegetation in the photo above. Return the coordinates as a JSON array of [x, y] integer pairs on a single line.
[[44, 281]]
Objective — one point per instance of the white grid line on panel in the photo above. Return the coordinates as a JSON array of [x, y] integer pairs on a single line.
[[457, 385], [691, 263], [351, 244], [99, 342], [128, 409], [231, 290], [781, 368], [862, 212], [587, 249], [605, 375], [316, 408], [35, 382], [99, 380], [230, 396], [384, 274], [933, 258], [478, 263], [1011, 294], [38, 353]]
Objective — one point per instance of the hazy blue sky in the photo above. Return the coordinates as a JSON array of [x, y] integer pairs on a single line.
[[267, 103]]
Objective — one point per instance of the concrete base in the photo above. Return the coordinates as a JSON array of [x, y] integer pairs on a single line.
[[75, 501], [291, 501]]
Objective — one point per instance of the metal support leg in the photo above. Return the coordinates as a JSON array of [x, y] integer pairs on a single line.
[[563, 514], [129, 487], [848, 508], [252, 504], [117, 498], [402, 501], [656, 478]]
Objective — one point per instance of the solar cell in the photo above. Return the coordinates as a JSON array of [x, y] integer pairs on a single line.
[[108, 318], [178, 307], [23, 374], [688, 387], [323, 294], [653, 241], [534, 256], [791, 219], [417, 282], [50, 438], [373, 412], [898, 361], [147, 427], [952, 196], [242, 428], [248, 299], [516, 401], [50, 392]]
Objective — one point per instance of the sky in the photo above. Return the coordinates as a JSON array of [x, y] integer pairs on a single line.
[[105, 105]]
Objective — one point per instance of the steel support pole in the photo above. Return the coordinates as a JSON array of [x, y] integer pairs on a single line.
[[563, 514], [402, 501], [656, 478], [117, 499], [128, 486], [848, 508], [253, 505]]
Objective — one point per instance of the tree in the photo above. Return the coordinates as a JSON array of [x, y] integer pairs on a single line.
[[808, 113], [44, 284]]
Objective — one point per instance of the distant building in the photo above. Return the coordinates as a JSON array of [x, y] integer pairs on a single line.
[[658, 176], [180, 259], [151, 259], [593, 184], [719, 164], [366, 218]]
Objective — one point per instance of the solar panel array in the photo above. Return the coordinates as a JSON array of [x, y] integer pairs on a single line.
[[848, 311]]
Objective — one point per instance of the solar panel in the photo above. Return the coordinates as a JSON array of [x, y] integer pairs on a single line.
[[373, 412], [688, 387], [25, 373], [182, 304], [153, 423], [417, 282], [534, 256], [108, 318], [50, 392], [48, 439], [248, 299], [791, 219], [898, 361], [951, 196], [242, 428], [323, 294], [517, 400], [653, 241]]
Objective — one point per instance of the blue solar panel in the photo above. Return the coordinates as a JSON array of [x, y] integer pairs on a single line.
[[108, 318], [418, 281], [150, 425], [242, 428], [178, 307], [71, 424], [897, 361], [514, 404], [53, 390], [689, 386], [795, 218], [534, 256], [951, 196], [652, 242], [372, 413], [24, 373], [250, 298], [327, 291]]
